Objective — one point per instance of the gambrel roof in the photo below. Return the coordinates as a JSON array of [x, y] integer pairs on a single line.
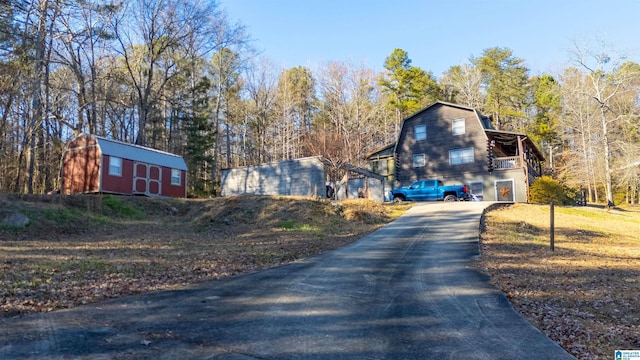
[[506, 138], [140, 153]]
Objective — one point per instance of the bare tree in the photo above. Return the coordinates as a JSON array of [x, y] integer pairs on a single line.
[[351, 108], [581, 132], [160, 27], [629, 177], [38, 35], [366, 108], [625, 136], [607, 80], [463, 85], [261, 87], [333, 85], [296, 100], [230, 42], [330, 146], [84, 36]]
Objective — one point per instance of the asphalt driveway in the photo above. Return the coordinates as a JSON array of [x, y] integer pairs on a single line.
[[404, 292]]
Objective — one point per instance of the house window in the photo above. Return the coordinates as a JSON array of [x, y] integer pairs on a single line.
[[382, 167], [457, 127], [420, 132], [461, 156], [176, 177], [418, 160], [115, 166]]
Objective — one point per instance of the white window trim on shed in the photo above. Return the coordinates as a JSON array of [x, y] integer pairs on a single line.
[[115, 166], [176, 177]]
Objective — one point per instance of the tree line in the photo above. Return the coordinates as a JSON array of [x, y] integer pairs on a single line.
[[181, 76]]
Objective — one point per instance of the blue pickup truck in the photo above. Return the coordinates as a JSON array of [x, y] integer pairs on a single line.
[[431, 190]]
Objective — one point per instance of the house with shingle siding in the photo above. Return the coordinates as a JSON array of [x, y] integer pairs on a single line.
[[457, 144]]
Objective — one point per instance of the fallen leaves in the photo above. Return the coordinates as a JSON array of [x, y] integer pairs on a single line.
[[584, 294], [48, 268]]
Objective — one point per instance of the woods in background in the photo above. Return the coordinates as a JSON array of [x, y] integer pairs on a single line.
[[180, 76]]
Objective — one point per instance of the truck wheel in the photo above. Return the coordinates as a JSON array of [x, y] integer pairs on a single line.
[[450, 198], [397, 199]]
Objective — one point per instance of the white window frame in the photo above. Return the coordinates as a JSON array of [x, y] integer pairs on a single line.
[[176, 177], [458, 127], [419, 160], [115, 166], [461, 156], [423, 132]]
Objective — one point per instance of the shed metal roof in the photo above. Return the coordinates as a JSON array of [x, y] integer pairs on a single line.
[[140, 153]]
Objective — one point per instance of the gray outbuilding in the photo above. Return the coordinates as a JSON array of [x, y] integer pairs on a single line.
[[302, 177]]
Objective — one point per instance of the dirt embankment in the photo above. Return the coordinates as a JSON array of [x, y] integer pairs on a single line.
[[81, 249]]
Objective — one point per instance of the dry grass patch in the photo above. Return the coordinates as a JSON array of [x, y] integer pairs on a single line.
[[84, 249], [584, 295]]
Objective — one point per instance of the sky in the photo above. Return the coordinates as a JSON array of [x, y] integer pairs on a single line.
[[436, 34]]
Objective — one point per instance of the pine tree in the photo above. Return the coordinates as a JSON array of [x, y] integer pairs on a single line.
[[409, 88], [200, 141]]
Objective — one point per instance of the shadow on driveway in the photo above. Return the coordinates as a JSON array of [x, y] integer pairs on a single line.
[[403, 292]]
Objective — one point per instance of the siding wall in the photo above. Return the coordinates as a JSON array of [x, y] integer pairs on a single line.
[[302, 177], [117, 184], [440, 140], [173, 190], [376, 189], [81, 167], [489, 183]]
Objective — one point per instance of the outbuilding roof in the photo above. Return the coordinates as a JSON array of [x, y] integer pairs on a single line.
[[140, 153]]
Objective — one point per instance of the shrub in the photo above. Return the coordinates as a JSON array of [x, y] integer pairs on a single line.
[[546, 189]]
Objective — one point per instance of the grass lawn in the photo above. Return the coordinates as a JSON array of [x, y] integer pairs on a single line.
[[585, 294]]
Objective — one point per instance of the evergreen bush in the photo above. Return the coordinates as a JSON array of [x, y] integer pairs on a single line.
[[546, 189]]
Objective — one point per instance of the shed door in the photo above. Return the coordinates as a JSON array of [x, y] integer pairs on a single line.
[[139, 178], [505, 190], [153, 182], [146, 179]]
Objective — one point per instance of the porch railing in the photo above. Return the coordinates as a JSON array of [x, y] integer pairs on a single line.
[[514, 162], [507, 162]]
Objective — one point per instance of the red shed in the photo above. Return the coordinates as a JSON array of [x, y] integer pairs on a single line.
[[93, 164]]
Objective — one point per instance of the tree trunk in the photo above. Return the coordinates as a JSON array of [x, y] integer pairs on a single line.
[[607, 157], [36, 95], [216, 128]]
